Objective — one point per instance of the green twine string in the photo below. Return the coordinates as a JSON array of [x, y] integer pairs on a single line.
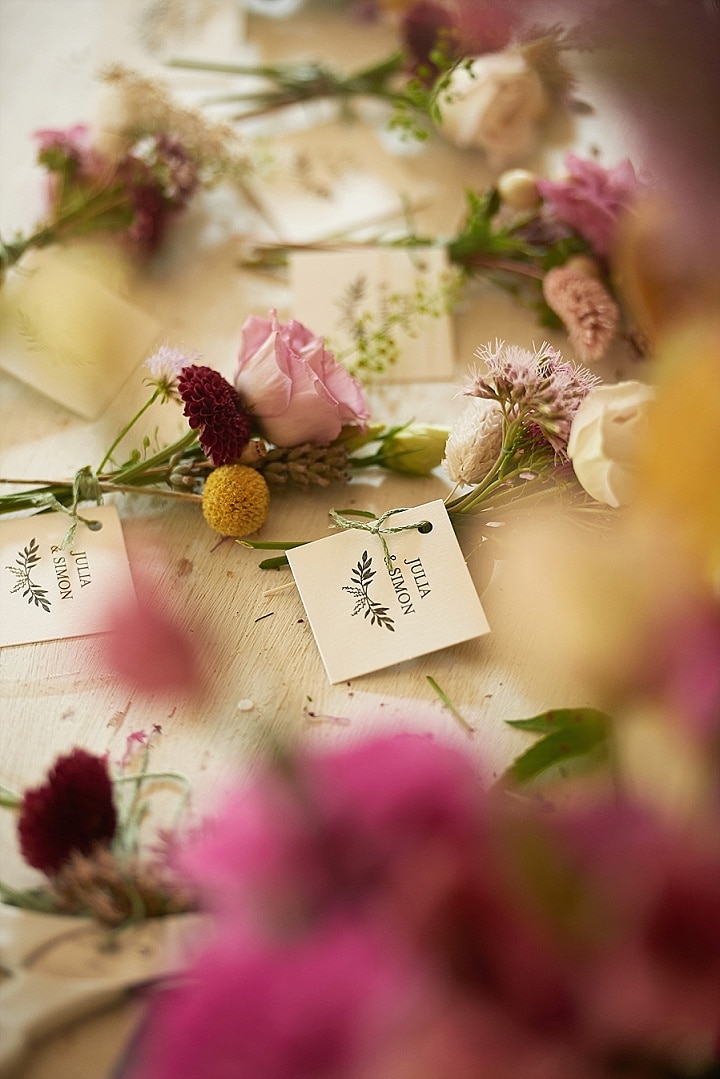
[[86, 488], [377, 527]]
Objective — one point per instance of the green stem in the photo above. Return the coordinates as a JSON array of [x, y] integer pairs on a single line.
[[151, 400]]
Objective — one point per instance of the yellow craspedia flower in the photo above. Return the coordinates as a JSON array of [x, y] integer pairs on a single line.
[[235, 500]]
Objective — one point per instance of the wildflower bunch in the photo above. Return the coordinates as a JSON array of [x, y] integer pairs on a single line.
[[129, 176], [295, 417], [551, 254], [522, 437], [81, 829]]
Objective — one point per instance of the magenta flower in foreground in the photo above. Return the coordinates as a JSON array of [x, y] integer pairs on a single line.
[[215, 410], [380, 915], [312, 1007], [592, 199], [72, 811]]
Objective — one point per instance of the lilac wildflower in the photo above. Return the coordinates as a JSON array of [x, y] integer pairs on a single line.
[[164, 367], [537, 390]]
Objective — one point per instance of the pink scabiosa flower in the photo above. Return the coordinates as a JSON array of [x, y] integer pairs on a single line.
[[535, 389], [215, 410], [164, 367], [591, 199], [72, 811]]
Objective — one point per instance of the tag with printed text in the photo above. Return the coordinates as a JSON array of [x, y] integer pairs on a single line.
[[51, 591], [366, 617]]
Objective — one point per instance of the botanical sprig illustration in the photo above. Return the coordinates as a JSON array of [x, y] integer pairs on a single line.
[[26, 561], [374, 328], [362, 576]]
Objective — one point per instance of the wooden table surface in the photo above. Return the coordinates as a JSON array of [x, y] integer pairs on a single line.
[[265, 676]]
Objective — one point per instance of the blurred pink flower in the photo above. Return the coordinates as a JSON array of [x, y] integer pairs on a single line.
[[379, 914], [293, 386], [314, 1007], [592, 199], [146, 649]]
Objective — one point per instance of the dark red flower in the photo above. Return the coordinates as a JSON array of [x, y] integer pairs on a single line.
[[213, 407], [72, 811]]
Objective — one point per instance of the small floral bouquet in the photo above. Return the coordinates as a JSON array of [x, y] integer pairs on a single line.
[[296, 416], [550, 243], [378, 912], [132, 174], [534, 424], [81, 828]]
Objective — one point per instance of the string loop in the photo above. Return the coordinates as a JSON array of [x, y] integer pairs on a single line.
[[378, 528]]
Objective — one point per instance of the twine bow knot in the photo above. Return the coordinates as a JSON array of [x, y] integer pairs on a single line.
[[378, 527]]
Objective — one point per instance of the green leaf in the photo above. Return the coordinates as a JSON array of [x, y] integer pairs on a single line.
[[556, 718], [586, 736]]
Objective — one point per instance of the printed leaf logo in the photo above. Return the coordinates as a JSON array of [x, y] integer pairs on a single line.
[[26, 561], [362, 577]]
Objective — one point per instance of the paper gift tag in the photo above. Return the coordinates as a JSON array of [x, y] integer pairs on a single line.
[[366, 617], [49, 591], [66, 333], [321, 283], [319, 184]]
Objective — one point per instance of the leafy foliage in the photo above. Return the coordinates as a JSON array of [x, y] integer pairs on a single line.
[[567, 733], [362, 576]]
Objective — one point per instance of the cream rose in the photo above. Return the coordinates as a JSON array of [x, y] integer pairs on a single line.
[[604, 439], [495, 103]]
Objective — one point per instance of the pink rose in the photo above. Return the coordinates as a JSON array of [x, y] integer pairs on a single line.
[[293, 387]]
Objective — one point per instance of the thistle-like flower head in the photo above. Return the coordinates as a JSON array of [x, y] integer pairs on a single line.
[[538, 389]]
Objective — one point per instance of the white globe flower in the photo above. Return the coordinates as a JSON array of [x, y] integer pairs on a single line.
[[474, 441]]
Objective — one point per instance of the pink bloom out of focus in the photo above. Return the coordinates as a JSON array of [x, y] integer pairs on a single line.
[[146, 649], [294, 387], [591, 199]]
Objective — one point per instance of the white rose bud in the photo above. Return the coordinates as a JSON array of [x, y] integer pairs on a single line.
[[495, 103], [475, 441], [604, 439], [518, 190]]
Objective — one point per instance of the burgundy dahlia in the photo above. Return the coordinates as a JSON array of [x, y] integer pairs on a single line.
[[72, 811], [213, 408]]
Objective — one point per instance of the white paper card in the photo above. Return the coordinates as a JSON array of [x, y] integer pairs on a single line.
[[321, 280], [51, 592], [320, 184], [365, 617], [66, 333]]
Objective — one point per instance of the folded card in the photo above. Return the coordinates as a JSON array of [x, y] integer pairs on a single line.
[[66, 332], [366, 615], [333, 179]]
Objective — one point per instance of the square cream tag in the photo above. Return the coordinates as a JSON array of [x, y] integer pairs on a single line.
[[66, 333], [381, 277], [366, 617], [51, 592], [320, 184]]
